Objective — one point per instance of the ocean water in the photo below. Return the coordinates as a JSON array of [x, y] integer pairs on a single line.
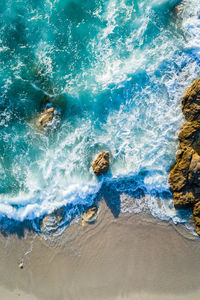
[[116, 71]]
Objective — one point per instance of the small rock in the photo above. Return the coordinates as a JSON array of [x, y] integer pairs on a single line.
[[178, 9], [82, 223], [46, 117], [21, 265], [101, 164], [90, 215]]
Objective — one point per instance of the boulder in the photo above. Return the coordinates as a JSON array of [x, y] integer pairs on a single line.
[[101, 164], [191, 102], [90, 215], [45, 118]]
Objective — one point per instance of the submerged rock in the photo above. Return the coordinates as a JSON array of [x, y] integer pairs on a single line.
[[90, 215], [184, 177], [179, 8], [51, 221], [46, 118], [101, 164]]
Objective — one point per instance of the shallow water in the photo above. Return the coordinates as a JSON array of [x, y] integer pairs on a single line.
[[116, 71]]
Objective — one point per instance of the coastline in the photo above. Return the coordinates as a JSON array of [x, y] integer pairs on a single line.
[[130, 257], [66, 79]]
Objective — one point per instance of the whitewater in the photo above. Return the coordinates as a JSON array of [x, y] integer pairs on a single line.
[[116, 70]]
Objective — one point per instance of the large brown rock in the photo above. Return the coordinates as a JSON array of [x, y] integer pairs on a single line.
[[194, 170], [184, 199], [191, 102], [189, 136], [178, 178], [101, 164], [196, 216], [196, 209], [184, 177]]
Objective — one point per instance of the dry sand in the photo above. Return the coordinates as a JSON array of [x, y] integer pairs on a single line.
[[131, 257]]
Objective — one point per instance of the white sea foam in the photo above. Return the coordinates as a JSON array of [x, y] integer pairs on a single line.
[[137, 119]]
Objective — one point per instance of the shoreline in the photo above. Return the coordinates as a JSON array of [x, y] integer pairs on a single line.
[[130, 257], [77, 79]]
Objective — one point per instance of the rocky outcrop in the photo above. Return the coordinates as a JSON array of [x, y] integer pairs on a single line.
[[184, 178], [196, 215], [101, 164], [191, 102], [46, 118]]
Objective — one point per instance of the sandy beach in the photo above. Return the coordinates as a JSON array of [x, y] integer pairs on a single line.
[[131, 257]]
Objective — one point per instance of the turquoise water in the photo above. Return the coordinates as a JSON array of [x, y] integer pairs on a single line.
[[116, 71]]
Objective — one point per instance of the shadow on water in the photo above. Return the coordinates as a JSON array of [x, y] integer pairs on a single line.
[[110, 190], [10, 226], [132, 185]]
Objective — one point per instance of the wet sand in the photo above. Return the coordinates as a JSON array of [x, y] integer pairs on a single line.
[[132, 257]]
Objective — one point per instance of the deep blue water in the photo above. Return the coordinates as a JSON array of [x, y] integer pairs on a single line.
[[116, 71]]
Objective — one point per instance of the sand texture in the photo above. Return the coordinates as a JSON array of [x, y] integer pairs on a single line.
[[129, 257]]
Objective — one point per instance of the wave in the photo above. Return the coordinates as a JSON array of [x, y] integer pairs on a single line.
[[117, 70]]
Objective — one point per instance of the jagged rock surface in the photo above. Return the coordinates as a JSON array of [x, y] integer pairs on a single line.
[[179, 8], [101, 164], [90, 215], [45, 118], [184, 178], [191, 102]]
